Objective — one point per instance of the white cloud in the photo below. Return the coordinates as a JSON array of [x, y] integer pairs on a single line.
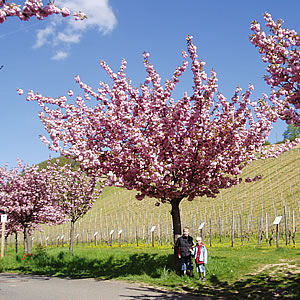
[[60, 55], [99, 14], [65, 31], [71, 38], [43, 35]]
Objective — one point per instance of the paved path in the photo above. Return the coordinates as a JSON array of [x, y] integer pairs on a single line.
[[36, 287]]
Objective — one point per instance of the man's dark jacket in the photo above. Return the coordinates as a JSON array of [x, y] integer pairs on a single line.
[[184, 243]]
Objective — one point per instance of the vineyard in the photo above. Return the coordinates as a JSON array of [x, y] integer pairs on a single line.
[[244, 212]]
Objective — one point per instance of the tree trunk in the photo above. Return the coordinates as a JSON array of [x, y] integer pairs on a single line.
[[6, 244], [16, 241], [27, 244], [175, 212], [71, 236]]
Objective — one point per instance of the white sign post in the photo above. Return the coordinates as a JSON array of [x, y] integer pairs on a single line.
[[3, 218], [120, 237], [111, 237], [152, 234], [77, 239], [3, 222], [95, 237], [200, 228], [277, 222]]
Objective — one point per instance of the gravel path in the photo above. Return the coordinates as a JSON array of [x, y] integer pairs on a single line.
[[36, 287]]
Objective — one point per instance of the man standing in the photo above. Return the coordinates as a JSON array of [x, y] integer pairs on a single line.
[[185, 244]]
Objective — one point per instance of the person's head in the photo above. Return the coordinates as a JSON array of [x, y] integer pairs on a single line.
[[198, 240], [185, 231]]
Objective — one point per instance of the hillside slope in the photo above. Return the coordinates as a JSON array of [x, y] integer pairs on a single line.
[[252, 204]]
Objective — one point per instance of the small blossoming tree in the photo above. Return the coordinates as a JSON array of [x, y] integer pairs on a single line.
[[143, 139], [32, 196], [280, 50], [76, 192], [28, 197]]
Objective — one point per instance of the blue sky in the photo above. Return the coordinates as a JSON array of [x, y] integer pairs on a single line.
[[46, 55]]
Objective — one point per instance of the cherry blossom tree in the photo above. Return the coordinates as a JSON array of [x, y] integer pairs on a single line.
[[143, 139], [28, 197], [34, 8], [280, 50], [12, 226], [76, 192]]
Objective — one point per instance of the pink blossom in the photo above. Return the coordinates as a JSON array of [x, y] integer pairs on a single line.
[[65, 12], [280, 51], [34, 8], [20, 91], [143, 139]]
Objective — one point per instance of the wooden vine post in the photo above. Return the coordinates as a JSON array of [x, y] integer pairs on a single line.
[[259, 231], [286, 224], [210, 233], [266, 230], [293, 228], [241, 228], [220, 227], [136, 236], [232, 229]]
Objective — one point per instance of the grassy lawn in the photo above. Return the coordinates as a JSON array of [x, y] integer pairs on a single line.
[[236, 273]]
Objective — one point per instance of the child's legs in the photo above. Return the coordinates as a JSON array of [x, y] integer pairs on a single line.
[[202, 270], [198, 270]]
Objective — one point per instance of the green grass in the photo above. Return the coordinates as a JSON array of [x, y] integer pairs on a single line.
[[231, 272]]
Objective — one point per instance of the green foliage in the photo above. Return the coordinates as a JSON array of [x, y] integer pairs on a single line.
[[292, 132]]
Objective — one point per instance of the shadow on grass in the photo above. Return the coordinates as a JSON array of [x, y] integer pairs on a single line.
[[73, 266], [260, 286]]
